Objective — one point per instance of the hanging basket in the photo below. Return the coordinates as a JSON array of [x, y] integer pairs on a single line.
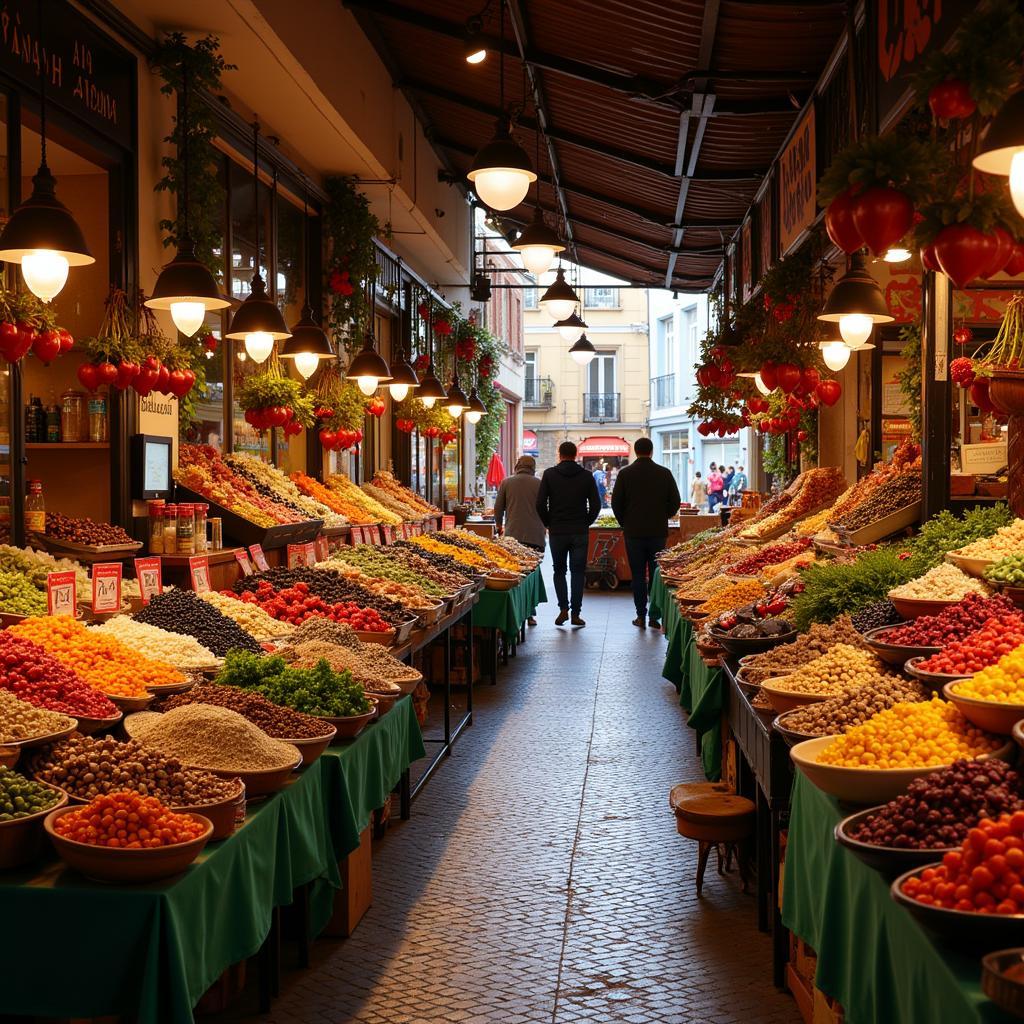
[[1006, 390]]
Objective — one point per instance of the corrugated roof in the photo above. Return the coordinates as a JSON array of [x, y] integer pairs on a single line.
[[615, 78]]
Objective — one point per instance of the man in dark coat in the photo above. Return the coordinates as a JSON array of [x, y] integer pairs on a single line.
[[645, 497]]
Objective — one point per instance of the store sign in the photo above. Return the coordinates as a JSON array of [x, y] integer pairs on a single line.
[[447, 522], [981, 458], [147, 572], [199, 572], [242, 558], [61, 592], [258, 557], [106, 587], [86, 72], [797, 183]]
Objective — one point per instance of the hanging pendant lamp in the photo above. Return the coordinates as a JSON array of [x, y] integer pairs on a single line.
[[856, 303], [559, 301], [42, 234], [501, 173], [403, 377], [369, 369], [431, 390], [455, 401], [537, 243], [583, 351], [571, 328], [476, 409], [835, 354], [185, 286], [1002, 149], [257, 322]]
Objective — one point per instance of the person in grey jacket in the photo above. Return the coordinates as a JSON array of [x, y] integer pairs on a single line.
[[515, 508]]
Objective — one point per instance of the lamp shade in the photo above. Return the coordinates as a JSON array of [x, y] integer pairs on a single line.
[[571, 328], [403, 377], [559, 301], [502, 173], [856, 294], [258, 315], [369, 367], [456, 400], [1005, 138], [835, 354], [583, 351], [307, 345], [431, 390], [187, 289], [538, 244], [476, 409]]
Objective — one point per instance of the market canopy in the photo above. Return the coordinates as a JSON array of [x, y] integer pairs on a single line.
[[660, 118], [530, 444], [598, 446]]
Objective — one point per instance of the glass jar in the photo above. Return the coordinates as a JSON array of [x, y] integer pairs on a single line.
[[216, 533], [73, 425], [170, 521], [35, 508], [98, 419], [199, 511], [156, 527], [186, 531]]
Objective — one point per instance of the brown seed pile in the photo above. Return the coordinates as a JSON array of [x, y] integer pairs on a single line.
[[276, 721], [371, 665], [20, 720], [207, 736], [88, 768], [818, 640], [323, 630], [835, 716]]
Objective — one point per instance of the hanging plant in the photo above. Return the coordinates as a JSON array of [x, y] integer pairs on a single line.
[[1007, 350], [351, 261], [909, 378], [29, 325], [205, 66], [270, 399]]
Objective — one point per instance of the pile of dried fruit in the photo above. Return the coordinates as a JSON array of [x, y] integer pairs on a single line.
[[953, 623], [943, 583], [985, 646]]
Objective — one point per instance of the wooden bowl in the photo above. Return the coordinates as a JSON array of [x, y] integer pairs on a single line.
[[312, 748], [23, 839], [889, 860], [993, 717], [791, 736], [866, 786], [350, 727], [914, 608], [933, 680], [783, 700], [1004, 991], [9, 755], [972, 566], [385, 701], [115, 865], [895, 654], [168, 689], [386, 639], [53, 737], [501, 582], [130, 705], [87, 726]]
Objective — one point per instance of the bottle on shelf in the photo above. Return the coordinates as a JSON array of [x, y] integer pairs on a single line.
[[52, 419], [35, 508], [30, 422]]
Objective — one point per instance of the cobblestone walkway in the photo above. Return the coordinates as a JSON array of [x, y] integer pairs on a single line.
[[541, 878]]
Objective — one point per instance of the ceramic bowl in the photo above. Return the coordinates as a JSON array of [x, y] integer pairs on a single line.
[[985, 714], [972, 566], [934, 680], [87, 726], [914, 608], [889, 860], [53, 737], [24, 839], [895, 654], [740, 646], [351, 726], [783, 700], [1007, 993], [312, 748]]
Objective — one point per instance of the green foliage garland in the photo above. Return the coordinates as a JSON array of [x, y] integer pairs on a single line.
[[888, 160], [909, 377]]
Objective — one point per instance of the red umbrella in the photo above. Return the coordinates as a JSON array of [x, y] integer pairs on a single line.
[[495, 471]]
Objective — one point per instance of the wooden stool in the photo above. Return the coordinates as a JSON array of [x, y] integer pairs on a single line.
[[716, 818]]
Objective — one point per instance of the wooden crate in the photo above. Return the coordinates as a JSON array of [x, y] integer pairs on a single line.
[[353, 899]]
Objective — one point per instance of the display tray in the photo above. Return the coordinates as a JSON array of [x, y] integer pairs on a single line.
[[884, 527], [84, 552], [244, 532], [783, 528]]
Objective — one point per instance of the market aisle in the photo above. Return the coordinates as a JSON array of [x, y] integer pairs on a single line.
[[541, 878]]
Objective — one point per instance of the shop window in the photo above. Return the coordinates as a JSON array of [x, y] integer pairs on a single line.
[[601, 298], [675, 456], [531, 298]]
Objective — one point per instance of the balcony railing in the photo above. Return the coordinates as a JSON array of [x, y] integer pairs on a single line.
[[539, 393], [664, 391], [600, 407]]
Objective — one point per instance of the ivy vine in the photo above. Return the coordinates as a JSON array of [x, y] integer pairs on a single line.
[[909, 377]]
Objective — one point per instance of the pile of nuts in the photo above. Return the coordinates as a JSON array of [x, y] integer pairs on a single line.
[[893, 495], [87, 767], [328, 631], [369, 665], [85, 531], [952, 623], [818, 640], [19, 720], [276, 721], [182, 611], [841, 669], [251, 617], [943, 583], [1007, 540], [836, 716]]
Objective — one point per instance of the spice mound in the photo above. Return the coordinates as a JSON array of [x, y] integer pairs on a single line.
[[370, 665], [840, 714], [87, 767], [20, 797], [181, 611], [943, 583], [19, 720], [177, 649], [127, 821], [276, 721], [841, 669], [214, 738]]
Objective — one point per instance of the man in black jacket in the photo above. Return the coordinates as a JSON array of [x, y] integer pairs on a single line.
[[645, 497], [567, 504]]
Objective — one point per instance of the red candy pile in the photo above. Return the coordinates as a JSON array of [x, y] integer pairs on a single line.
[[953, 623], [998, 636], [985, 876], [295, 604], [27, 671], [773, 554]]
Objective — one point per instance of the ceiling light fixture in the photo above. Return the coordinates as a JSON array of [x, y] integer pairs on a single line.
[[258, 322], [42, 234], [1002, 149], [583, 351], [559, 301], [476, 410], [456, 400], [473, 47], [537, 243], [572, 327], [431, 389], [836, 354], [856, 303], [897, 254], [369, 369]]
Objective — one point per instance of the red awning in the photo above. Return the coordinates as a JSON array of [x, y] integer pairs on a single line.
[[612, 446]]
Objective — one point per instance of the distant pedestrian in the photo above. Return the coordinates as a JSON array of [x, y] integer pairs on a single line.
[[698, 491], [738, 486], [715, 482], [567, 503], [516, 507], [644, 499], [726, 482], [602, 489]]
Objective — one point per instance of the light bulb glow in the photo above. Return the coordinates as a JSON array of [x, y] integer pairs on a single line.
[[368, 385], [1017, 181], [559, 309], [897, 254], [582, 358], [537, 258], [259, 345], [571, 334], [241, 355], [855, 329], [473, 416], [836, 354], [188, 317], [306, 363], [455, 410], [477, 56], [760, 385], [501, 188], [45, 272], [398, 391], [428, 401]]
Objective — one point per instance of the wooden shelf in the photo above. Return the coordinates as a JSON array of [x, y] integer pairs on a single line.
[[38, 446]]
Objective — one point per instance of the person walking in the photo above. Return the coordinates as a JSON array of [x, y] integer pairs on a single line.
[[737, 487], [567, 503], [602, 490], [726, 482], [644, 499], [698, 491], [715, 481], [515, 508]]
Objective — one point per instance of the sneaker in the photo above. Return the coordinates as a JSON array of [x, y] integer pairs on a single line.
[[531, 621], [639, 622], [577, 621], [563, 617], [654, 624]]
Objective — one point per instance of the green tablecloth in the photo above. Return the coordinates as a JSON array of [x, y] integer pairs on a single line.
[[702, 695], [508, 610], [149, 952], [872, 955], [677, 629]]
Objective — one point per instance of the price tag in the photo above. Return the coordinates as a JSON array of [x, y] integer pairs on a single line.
[[372, 535], [106, 587], [242, 558], [357, 535], [147, 572], [309, 553], [389, 533], [258, 557], [296, 555], [323, 549], [199, 570], [61, 591], [417, 529], [447, 522]]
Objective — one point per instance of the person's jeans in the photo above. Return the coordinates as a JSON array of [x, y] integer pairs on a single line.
[[714, 497], [571, 548], [641, 551]]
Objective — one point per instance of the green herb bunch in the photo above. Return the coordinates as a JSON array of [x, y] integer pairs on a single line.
[[946, 533]]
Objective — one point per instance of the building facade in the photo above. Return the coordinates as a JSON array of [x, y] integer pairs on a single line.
[[602, 407]]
